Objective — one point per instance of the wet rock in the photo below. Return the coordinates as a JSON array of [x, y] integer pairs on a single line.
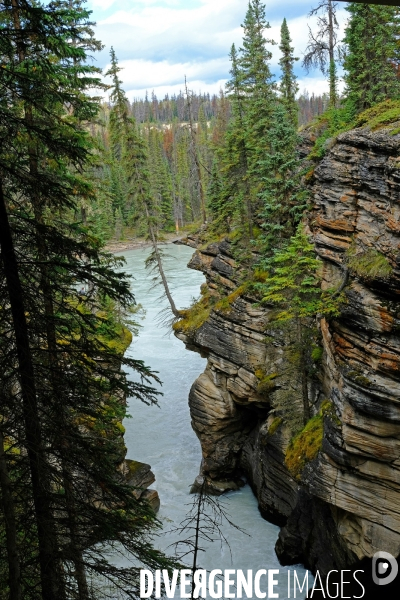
[[140, 477]]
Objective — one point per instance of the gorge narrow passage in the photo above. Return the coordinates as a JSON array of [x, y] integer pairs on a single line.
[[163, 436]]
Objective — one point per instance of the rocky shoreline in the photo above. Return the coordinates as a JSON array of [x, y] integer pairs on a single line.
[[114, 246]]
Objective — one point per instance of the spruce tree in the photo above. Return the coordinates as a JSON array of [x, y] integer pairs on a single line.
[[235, 154], [372, 55], [294, 288], [288, 84], [256, 82], [62, 398], [119, 110], [283, 198]]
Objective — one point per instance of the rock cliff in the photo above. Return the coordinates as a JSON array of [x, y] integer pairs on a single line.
[[345, 505]]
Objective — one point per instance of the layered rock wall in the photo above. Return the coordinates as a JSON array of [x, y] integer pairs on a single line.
[[346, 505]]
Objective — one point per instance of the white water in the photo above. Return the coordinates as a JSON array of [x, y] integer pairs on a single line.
[[163, 436]]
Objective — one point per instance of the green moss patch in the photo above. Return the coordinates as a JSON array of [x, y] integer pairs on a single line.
[[274, 425], [305, 446], [118, 340], [267, 382], [383, 114], [195, 316], [225, 303], [369, 264]]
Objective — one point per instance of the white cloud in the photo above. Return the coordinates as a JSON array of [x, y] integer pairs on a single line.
[[158, 44], [142, 74]]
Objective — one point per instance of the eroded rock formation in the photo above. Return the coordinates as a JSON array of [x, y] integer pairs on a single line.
[[346, 505]]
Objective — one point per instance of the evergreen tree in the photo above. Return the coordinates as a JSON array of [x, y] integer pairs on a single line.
[[288, 85], [61, 397], [283, 198], [136, 162], [160, 177], [372, 55], [195, 155], [257, 87], [235, 154], [294, 286], [119, 111]]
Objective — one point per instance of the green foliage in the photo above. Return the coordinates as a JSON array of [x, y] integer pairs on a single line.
[[67, 493], [328, 126], [383, 114], [304, 447], [368, 264], [295, 282], [316, 354], [283, 198], [225, 303], [195, 316], [372, 55], [273, 428], [288, 85], [267, 382]]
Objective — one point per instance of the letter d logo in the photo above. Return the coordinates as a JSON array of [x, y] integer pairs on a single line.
[[384, 568]]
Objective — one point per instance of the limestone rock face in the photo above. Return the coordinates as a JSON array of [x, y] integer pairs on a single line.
[[346, 505], [357, 209]]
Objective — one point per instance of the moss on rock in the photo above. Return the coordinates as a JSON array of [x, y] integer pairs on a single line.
[[194, 317], [274, 425], [368, 264]]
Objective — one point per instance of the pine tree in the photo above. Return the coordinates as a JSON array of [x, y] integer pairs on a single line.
[[372, 55], [294, 288], [235, 154], [256, 82], [62, 398], [283, 198], [288, 85]]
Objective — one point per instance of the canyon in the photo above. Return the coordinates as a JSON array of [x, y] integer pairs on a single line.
[[344, 505]]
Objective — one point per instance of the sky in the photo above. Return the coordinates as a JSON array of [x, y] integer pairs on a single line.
[[158, 42]]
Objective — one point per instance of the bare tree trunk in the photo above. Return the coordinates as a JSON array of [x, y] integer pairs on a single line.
[[14, 566], [175, 311], [197, 534], [196, 158], [332, 67]]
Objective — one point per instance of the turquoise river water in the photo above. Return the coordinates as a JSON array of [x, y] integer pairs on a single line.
[[162, 436]]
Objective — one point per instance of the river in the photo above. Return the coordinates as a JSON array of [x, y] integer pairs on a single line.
[[162, 436]]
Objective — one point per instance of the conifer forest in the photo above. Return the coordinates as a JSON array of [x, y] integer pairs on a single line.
[[83, 166]]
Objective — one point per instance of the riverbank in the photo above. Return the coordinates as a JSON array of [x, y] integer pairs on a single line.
[[135, 243]]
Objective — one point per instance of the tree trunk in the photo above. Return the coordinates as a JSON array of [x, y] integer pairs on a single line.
[[332, 66], [160, 266], [51, 580], [14, 567], [303, 371]]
